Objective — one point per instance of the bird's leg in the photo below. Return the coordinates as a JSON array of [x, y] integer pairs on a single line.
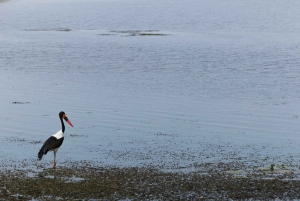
[[54, 163]]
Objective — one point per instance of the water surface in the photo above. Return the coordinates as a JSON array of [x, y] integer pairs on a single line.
[[215, 80]]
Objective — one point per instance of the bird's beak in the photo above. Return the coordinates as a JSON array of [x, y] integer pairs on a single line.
[[68, 121]]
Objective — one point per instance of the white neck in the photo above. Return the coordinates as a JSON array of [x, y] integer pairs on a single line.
[[58, 135]]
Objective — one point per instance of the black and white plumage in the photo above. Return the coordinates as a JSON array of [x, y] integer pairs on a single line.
[[56, 140]]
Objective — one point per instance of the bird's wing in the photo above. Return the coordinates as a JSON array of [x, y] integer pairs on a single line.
[[50, 144]]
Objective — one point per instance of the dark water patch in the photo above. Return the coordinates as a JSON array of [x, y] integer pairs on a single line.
[[21, 140], [77, 135], [134, 31], [50, 29], [153, 34], [166, 134], [107, 34], [18, 102], [141, 33]]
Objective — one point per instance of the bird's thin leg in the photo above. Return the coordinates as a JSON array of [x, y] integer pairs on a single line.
[[54, 163]]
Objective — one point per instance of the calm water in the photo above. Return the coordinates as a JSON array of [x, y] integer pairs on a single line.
[[222, 80]]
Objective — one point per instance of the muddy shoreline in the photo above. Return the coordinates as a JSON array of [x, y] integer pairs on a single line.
[[83, 181]]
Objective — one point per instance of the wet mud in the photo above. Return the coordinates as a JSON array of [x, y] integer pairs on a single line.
[[88, 181]]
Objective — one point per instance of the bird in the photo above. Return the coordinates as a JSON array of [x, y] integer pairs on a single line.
[[56, 140]]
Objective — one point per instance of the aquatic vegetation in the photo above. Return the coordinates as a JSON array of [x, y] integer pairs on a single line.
[[272, 167]]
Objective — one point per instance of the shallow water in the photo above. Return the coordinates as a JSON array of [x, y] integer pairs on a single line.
[[215, 81]]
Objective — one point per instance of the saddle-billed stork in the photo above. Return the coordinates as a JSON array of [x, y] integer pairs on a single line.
[[56, 140]]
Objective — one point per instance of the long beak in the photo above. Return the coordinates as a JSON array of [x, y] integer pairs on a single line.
[[68, 121]]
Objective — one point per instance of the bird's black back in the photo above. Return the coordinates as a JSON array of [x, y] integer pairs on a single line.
[[50, 144]]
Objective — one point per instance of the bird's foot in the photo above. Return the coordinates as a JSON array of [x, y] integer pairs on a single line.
[[54, 164]]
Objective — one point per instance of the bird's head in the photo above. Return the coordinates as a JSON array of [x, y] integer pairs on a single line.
[[62, 115]]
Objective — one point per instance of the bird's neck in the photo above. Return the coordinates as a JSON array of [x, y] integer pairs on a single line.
[[58, 135], [62, 125]]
